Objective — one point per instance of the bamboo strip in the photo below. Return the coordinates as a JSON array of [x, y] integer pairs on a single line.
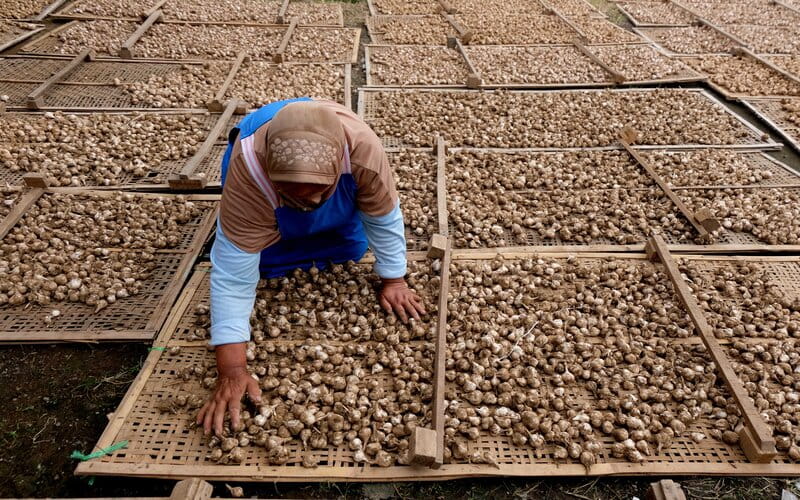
[[439, 363], [441, 185]]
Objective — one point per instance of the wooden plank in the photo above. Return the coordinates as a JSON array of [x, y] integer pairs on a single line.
[[282, 474], [626, 140], [616, 76], [281, 19], [438, 409], [20, 207], [216, 105], [348, 79], [463, 33], [474, 79], [49, 10], [126, 51], [186, 178], [441, 185], [278, 56], [194, 489], [152, 9], [756, 437], [35, 100]]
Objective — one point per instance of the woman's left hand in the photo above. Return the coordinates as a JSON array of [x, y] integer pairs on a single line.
[[398, 298]]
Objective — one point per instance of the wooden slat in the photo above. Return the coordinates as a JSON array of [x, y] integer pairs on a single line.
[[278, 56], [441, 185], [185, 178], [664, 187], [50, 9], [616, 76], [20, 207], [474, 79], [35, 99], [126, 51], [216, 105], [281, 19], [438, 409], [463, 33], [756, 437], [152, 9], [348, 79]]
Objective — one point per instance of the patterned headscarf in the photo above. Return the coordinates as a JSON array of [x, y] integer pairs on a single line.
[[306, 143]]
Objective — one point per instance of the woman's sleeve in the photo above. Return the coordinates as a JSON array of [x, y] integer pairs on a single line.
[[234, 277], [386, 237]]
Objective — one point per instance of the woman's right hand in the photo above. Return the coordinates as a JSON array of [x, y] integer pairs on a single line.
[[233, 382]]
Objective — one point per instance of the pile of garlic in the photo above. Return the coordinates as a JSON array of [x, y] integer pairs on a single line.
[[88, 249]]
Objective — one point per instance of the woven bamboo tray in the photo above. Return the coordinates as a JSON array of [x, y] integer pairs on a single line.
[[176, 10], [770, 111], [156, 177], [663, 37], [376, 27], [138, 317], [12, 33], [776, 74], [165, 445], [643, 22], [368, 103], [109, 84], [782, 178]]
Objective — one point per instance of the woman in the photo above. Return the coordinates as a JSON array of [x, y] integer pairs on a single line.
[[304, 183]]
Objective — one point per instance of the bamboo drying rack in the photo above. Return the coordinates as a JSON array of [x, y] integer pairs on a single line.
[[138, 317], [68, 13], [45, 44], [165, 445], [205, 163], [367, 104]]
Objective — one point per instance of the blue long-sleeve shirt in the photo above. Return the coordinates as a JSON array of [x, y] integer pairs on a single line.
[[235, 273]]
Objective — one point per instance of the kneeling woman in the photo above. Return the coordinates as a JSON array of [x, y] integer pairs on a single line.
[[304, 183]]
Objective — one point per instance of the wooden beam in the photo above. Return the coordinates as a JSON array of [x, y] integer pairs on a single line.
[[152, 9], [666, 489], [35, 180], [192, 489], [278, 56], [35, 99], [463, 33], [186, 179], [474, 79], [616, 76], [439, 359], [22, 205], [422, 446], [216, 105], [441, 184], [755, 438], [627, 137], [348, 82], [281, 19], [126, 51]]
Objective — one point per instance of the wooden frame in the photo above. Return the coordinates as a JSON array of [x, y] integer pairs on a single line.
[[644, 33], [637, 24], [756, 106], [139, 400], [178, 263]]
